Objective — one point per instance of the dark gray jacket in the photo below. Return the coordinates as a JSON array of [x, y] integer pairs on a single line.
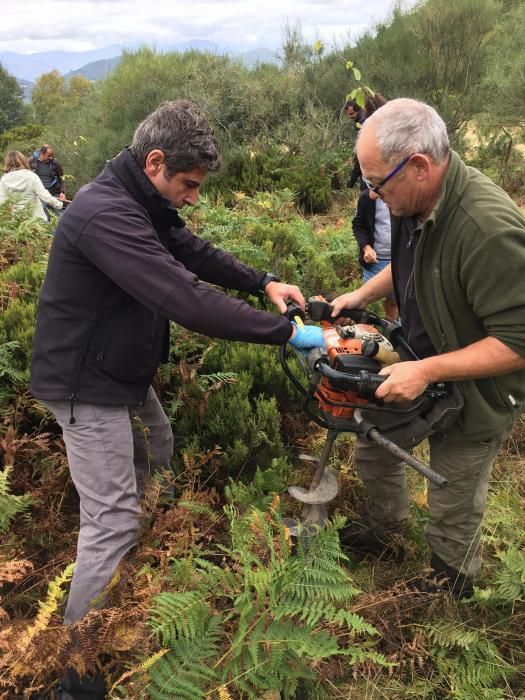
[[57, 172], [121, 264]]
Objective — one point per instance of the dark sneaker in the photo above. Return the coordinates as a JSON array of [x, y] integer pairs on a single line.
[[359, 536], [443, 579]]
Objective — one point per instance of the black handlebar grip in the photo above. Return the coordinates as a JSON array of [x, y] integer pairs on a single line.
[[319, 310], [293, 310]]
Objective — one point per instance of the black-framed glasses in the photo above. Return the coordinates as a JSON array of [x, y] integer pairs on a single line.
[[375, 188]]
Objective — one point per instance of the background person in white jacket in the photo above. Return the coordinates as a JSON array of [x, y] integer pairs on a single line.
[[23, 186]]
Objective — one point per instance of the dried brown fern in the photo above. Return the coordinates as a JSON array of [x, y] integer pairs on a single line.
[[14, 570]]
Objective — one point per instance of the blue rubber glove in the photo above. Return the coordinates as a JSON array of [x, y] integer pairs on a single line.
[[307, 337]]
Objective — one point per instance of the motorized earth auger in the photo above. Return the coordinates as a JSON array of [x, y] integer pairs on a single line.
[[339, 384]]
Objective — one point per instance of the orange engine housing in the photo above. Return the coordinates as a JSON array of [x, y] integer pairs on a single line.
[[335, 346]]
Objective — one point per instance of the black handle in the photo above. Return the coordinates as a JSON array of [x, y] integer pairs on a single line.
[[363, 383], [321, 310], [294, 310]]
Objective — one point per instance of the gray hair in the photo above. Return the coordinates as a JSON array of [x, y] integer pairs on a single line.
[[179, 130], [406, 126]]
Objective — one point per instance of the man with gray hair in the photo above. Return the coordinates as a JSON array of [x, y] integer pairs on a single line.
[[122, 263], [458, 261]]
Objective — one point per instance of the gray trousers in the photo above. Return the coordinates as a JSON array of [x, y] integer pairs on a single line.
[[110, 450], [456, 512]]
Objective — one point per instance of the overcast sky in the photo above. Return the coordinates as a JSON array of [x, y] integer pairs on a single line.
[[28, 26]]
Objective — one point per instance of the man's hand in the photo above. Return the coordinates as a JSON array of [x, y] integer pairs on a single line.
[[351, 300], [62, 196], [406, 381], [278, 293], [369, 254]]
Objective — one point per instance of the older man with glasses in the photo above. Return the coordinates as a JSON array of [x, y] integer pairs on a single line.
[[458, 261]]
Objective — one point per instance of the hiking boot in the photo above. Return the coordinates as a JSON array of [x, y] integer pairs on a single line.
[[443, 579], [72, 687], [360, 536]]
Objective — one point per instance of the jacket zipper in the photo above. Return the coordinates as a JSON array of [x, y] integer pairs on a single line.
[[72, 396], [100, 354]]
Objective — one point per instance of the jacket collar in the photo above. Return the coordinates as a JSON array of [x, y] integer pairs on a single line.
[[128, 171], [452, 186]]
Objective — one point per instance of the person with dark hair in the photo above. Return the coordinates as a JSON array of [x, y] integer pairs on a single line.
[[49, 170], [354, 111], [359, 115], [24, 187], [373, 102], [458, 261], [122, 264], [371, 223], [372, 231]]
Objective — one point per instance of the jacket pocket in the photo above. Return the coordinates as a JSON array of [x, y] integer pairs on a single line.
[[495, 394], [125, 346]]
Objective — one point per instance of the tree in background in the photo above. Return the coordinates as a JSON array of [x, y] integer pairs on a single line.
[[47, 96], [13, 111], [78, 91], [503, 86], [434, 52], [52, 93], [284, 125]]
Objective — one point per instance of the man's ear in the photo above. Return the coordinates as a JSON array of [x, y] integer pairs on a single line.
[[422, 164], [154, 161]]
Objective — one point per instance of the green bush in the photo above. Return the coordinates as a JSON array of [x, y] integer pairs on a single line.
[[245, 428], [266, 232], [21, 138], [27, 277], [17, 323], [252, 169], [497, 155], [262, 363]]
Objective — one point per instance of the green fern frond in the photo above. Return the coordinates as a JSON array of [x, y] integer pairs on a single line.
[[285, 614], [6, 367], [354, 622], [508, 585], [466, 659], [187, 669], [218, 580], [167, 684], [215, 381], [176, 616], [197, 508], [10, 505], [449, 635]]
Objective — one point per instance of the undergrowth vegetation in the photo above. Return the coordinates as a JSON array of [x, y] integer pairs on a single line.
[[216, 602]]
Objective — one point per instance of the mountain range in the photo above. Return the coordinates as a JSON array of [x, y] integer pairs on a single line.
[[96, 64]]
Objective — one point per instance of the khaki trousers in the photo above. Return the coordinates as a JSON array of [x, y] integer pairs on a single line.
[[110, 450], [456, 511]]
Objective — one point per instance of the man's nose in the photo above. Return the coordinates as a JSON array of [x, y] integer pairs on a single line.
[[375, 195], [191, 198]]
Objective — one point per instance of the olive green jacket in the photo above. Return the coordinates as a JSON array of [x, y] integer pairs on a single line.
[[469, 275]]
